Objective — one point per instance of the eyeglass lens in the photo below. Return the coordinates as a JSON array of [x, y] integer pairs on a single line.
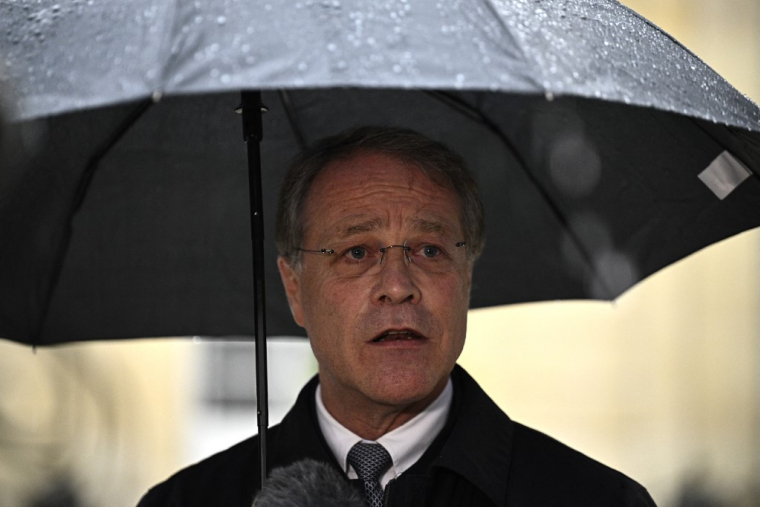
[[363, 259]]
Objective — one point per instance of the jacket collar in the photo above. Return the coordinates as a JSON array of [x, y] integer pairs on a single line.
[[479, 447], [298, 434]]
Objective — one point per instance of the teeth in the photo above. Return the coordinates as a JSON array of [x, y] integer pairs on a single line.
[[397, 335]]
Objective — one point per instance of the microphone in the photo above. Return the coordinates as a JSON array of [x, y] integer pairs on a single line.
[[308, 483]]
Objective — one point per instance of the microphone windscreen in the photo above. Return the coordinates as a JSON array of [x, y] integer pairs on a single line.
[[308, 483]]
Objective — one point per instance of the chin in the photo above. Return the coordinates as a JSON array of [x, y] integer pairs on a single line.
[[403, 388]]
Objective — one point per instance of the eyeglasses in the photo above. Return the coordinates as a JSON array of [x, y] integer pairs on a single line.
[[366, 259]]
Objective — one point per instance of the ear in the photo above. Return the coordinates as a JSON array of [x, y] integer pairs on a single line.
[[291, 280]]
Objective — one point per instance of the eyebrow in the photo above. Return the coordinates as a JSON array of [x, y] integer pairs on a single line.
[[354, 229], [424, 225]]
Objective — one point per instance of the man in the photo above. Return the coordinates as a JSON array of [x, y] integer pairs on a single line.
[[378, 230]]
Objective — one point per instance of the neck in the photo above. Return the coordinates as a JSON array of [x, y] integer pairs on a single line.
[[371, 420]]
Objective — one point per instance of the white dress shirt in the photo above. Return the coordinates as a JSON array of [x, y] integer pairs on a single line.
[[406, 444]]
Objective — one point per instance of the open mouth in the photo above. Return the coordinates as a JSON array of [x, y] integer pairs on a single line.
[[397, 336]]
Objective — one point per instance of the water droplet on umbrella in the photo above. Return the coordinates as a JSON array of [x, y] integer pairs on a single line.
[[615, 272], [589, 232], [221, 20], [574, 165]]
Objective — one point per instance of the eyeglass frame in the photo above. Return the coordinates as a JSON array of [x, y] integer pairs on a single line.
[[382, 250]]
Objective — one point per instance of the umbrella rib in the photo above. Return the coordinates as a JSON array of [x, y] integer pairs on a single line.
[[290, 111], [465, 109], [76, 204], [106, 147]]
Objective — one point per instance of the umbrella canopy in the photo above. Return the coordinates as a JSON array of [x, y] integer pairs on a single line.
[[604, 149]]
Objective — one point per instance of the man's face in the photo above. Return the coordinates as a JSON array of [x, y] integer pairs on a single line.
[[373, 199]]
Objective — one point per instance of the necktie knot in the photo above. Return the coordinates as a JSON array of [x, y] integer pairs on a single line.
[[370, 461]]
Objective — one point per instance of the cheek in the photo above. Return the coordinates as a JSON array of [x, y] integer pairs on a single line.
[[330, 322], [453, 293], [454, 301], [329, 306]]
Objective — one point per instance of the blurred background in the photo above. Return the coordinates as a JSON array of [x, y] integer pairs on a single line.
[[663, 384]]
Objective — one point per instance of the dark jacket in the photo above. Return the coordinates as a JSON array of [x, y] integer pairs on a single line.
[[481, 458]]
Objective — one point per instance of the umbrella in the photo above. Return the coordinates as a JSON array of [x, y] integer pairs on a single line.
[[587, 125], [605, 150]]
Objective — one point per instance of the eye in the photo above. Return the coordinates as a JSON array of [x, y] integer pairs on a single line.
[[357, 253], [431, 251]]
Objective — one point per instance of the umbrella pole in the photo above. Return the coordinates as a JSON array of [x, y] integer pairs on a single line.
[[251, 109]]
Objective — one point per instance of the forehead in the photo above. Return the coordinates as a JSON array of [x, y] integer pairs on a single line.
[[378, 191]]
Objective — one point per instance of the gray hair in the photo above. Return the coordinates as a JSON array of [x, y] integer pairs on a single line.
[[435, 159]]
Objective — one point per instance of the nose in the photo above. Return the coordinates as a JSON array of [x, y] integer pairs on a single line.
[[395, 281]]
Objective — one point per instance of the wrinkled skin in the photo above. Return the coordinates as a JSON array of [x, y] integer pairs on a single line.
[[371, 387]]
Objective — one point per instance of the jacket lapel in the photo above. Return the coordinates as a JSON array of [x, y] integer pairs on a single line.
[[479, 447]]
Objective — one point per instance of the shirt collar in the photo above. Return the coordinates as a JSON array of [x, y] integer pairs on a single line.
[[406, 444]]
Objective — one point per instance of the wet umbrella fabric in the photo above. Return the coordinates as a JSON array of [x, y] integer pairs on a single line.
[[161, 244], [587, 129]]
